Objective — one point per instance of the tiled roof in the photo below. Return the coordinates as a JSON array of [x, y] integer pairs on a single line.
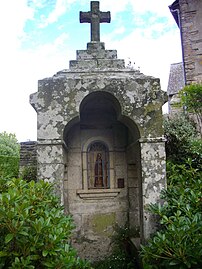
[[176, 78]]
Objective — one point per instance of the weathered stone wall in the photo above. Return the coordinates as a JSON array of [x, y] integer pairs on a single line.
[[191, 31], [96, 211], [134, 186], [153, 176], [28, 153], [98, 99], [28, 160]]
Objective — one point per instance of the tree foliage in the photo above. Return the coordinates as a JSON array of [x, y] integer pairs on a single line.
[[182, 142], [178, 244], [9, 166], [34, 232], [179, 133], [191, 99], [9, 145], [29, 172], [9, 155]]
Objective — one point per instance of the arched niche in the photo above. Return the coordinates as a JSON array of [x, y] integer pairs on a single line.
[[100, 123]]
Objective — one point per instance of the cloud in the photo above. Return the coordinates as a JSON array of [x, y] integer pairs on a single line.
[[154, 42], [60, 8], [20, 72], [153, 56], [148, 38], [119, 30], [13, 16], [37, 3], [114, 6], [158, 7]]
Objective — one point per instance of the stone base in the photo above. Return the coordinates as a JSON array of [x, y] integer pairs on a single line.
[[98, 194], [94, 45]]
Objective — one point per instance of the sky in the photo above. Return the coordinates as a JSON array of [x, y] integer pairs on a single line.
[[40, 37]]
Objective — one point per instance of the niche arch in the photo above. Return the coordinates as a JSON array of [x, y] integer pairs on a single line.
[[100, 120]]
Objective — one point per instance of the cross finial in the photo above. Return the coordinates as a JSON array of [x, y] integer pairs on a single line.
[[95, 17]]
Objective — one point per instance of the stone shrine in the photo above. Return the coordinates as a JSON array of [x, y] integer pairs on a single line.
[[100, 140]]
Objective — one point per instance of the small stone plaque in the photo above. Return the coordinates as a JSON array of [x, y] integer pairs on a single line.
[[120, 182]]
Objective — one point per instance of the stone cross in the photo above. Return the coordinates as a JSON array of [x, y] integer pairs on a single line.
[[95, 17]]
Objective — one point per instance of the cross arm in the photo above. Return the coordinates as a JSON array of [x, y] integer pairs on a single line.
[[105, 17], [85, 17]]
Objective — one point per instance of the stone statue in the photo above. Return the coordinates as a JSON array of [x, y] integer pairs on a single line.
[[99, 172]]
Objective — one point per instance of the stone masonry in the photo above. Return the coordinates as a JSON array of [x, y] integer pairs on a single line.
[[187, 14], [191, 31], [98, 107], [28, 154]]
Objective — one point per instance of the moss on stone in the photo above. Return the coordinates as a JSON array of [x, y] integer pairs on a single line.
[[151, 107], [102, 223]]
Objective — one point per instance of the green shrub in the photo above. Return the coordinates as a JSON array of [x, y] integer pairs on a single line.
[[195, 153], [191, 99], [9, 166], [178, 244], [9, 155], [117, 260], [9, 145], [29, 173], [124, 254], [179, 132], [34, 232]]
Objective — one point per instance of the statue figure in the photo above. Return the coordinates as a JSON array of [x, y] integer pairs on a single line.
[[98, 183]]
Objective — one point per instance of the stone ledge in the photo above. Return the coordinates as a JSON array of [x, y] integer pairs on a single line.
[[96, 45], [98, 194], [94, 54], [114, 71], [110, 63], [83, 64], [90, 64], [152, 139], [45, 142]]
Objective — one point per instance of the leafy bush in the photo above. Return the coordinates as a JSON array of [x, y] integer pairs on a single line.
[[195, 153], [34, 232], [124, 255], [29, 173], [9, 166], [9, 145], [179, 242], [179, 133], [191, 99], [182, 141], [9, 155], [118, 260]]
